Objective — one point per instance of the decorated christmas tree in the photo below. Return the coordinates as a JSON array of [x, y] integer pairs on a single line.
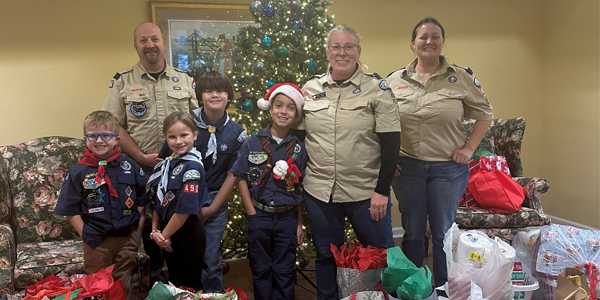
[[287, 45]]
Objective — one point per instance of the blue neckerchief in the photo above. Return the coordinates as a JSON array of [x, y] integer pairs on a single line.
[[212, 141], [162, 170]]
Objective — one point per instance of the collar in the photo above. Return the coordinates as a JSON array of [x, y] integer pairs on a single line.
[[220, 124], [410, 68], [140, 70], [355, 79], [267, 132]]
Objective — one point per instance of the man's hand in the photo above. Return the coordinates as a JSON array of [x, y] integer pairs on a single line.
[[150, 160], [378, 206]]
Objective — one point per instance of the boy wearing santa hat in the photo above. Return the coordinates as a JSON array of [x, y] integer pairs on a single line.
[[272, 164]]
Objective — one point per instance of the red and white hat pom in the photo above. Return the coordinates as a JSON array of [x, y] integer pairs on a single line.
[[289, 89]]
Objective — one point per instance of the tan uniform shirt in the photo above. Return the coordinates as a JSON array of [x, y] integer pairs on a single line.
[[432, 113], [341, 123], [142, 103]]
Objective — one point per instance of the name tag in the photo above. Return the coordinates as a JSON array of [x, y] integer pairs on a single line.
[[95, 210]]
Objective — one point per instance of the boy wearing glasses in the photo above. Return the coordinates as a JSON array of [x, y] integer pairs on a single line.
[[104, 198]]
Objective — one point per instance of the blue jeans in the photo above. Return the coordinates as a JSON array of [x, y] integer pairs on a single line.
[[212, 273], [272, 252], [326, 221], [431, 189]]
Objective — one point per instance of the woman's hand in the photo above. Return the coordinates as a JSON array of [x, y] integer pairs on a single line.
[[462, 156], [378, 206], [299, 234], [398, 169]]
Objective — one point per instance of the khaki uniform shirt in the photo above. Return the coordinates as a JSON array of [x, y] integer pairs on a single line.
[[432, 113], [142, 103], [341, 123]]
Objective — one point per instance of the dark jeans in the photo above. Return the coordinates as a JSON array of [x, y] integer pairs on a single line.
[[429, 189], [326, 221], [187, 259]]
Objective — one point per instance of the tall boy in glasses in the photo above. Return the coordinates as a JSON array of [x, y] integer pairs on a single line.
[[104, 197]]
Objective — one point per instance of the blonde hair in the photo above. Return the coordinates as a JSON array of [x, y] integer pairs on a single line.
[[101, 118], [180, 117]]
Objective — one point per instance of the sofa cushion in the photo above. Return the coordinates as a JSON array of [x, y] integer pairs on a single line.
[[36, 169], [35, 261], [508, 135], [475, 218], [7, 255]]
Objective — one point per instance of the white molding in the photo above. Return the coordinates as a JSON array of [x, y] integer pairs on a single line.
[[558, 220]]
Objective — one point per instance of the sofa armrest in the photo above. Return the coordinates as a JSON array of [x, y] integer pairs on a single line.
[[8, 256], [535, 187]]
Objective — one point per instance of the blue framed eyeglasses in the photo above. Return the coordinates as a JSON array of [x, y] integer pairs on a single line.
[[107, 136]]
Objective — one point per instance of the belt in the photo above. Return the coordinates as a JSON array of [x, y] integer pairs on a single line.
[[271, 209]]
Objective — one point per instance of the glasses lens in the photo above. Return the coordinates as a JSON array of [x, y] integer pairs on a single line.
[[106, 137], [335, 48], [92, 137], [349, 48]]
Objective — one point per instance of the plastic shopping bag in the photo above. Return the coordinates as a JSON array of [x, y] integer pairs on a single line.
[[490, 267]]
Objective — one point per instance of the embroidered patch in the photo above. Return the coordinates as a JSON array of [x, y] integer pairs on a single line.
[[129, 203], [356, 91], [67, 177], [254, 175], [125, 165], [478, 86], [321, 95], [95, 198], [175, 79], [112, 83], [258, 158], [224, 147], [191, 175], [142, 172], [383, 85], [90, 184], [297, 148], [452, 79], [193, 84], [168, 198], [138, 109], [403, 87], [128, 191], [178, 169], [127, 212], [242, 137], [95, 210], [190, 188], [177, 88]]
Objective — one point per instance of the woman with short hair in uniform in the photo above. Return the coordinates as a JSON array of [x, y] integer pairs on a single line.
[[352, 139], [433, 97]]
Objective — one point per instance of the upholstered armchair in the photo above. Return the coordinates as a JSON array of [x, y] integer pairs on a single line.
[[34, 242], [504, 137]]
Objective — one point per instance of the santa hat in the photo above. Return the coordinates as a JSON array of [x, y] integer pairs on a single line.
[[289, 89]]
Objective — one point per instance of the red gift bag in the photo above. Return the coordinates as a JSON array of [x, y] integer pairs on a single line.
[[467, 199], [496, 191], [100, 285]]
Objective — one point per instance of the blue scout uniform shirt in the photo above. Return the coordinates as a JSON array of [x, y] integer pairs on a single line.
[[230, 138], [182, 196], [104, 215], [251, 169]]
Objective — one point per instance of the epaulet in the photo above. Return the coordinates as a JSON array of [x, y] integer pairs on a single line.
[[466, 69], [180, 70], [316, 76], [118, 75], [396, 71]]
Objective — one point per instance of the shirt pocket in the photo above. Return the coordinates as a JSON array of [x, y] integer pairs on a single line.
[[126, 188], [139, 106], [447, 99], [356, 114], [179, 100], [315, 114], [405, 99], [226, 147]]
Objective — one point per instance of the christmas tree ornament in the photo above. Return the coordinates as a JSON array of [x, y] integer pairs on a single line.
[[270, 83], [259, 68], [247, 106], [281, 52], [255, 132], [268, 11], [266, 41], [240, 100], [311, 65], [255, 7], [293, 5], [298, 25], [247, 44], [243, 93]]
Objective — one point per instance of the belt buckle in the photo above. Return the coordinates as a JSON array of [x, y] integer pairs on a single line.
[[272, 209]]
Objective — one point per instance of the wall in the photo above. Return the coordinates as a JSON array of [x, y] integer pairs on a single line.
[[570, 136], [58, 57]]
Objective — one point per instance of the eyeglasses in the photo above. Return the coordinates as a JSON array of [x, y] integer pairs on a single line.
[[348, 48], [105, 137]]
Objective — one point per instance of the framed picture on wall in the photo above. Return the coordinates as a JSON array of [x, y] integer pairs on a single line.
[[199, 36]]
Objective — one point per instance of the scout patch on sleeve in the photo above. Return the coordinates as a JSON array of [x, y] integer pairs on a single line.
[[258, 159], [383, 85], [190, 188], [191, 175], [478, 85], [242, 137]]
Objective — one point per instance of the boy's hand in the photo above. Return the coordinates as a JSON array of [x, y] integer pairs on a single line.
[[299, 234], [251, 211], [206, 212]]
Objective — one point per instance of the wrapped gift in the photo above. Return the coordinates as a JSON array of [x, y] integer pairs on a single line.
[[359, 268]]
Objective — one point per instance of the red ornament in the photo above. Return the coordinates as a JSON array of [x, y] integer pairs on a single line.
[[225, 266], [293, 5], [243, 93]]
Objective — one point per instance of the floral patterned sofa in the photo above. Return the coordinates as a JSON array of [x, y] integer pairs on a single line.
[[505, 137], [34, 242]]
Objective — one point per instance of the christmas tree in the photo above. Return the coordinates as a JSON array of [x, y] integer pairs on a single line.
[[286, 46]]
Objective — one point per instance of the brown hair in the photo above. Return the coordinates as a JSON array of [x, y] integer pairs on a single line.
[[180, 117], [101, 118], [213, 81]]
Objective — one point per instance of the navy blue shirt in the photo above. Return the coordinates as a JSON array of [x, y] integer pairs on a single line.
[[183, 195], [251, 163], [229, 140], [104, 215]]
